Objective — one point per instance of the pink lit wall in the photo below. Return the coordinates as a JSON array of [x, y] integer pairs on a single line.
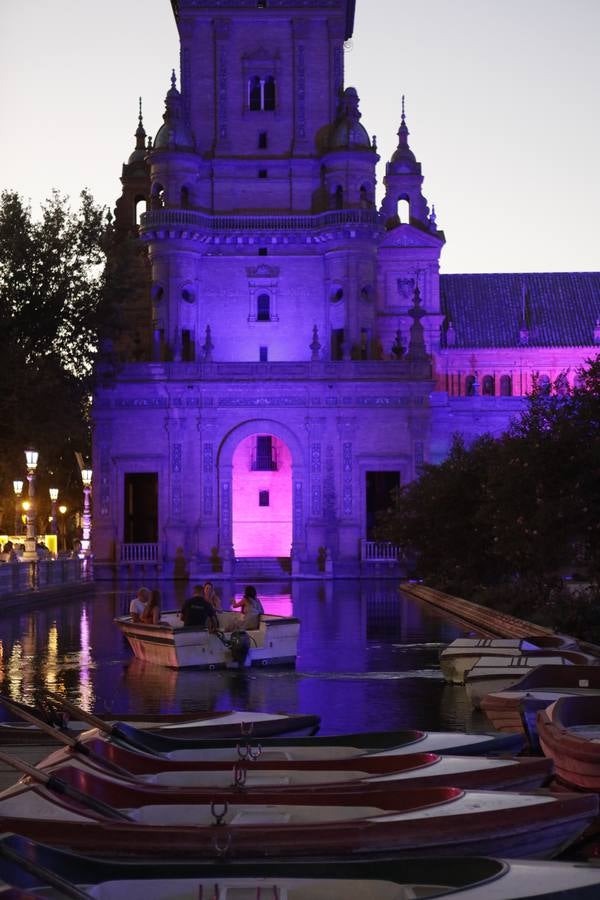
[[262, 530]]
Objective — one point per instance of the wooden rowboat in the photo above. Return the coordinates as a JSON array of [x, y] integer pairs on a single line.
[[280, 785], [569, 733], [30, 865], [424, 822], [229, 724], [462, 654], [495, 673], [540, 687]]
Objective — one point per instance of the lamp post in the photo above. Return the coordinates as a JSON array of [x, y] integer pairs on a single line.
[[53, 498], [63, 526], [86, 477], [18, 489], [31, 459]]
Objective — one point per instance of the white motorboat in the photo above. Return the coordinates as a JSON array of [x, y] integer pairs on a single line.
[[171, 644], [463, 653]]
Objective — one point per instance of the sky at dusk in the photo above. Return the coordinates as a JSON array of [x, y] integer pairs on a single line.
[[501, 103]]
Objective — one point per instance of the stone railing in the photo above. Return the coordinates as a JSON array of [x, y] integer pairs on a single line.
[[169, 218], [21, 577], [379, 551], [139, 553]]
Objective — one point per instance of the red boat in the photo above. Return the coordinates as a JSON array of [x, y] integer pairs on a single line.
[[277, 786], [569, 733], [424, 822]]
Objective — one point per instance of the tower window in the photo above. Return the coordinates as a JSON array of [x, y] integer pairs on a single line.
[[338, 197], [185, 197], [261, 94], [263, 498], [403, 210], [262, 140], [263, 354], [262, 251], [262, 173], [188, 349], [263, 308]]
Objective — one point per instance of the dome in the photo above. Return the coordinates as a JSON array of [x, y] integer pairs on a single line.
[[174, 133], [404, 160], [347, 130]]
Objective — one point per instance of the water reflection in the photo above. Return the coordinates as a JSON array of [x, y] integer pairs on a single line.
[[367, 658]]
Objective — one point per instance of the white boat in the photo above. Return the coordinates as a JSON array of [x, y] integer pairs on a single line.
[[171, 644], [461, 655], [495, 673]]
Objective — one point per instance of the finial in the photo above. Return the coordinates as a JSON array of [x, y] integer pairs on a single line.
[[140, 112], [374, 142], [173, 80], [208, 345], [403, 116], [432, 218]]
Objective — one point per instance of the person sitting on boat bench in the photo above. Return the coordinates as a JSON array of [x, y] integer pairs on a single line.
[[197, 611], [251, 607], [138, 604]]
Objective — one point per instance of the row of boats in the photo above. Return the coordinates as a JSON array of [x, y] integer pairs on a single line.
[[257, 805]]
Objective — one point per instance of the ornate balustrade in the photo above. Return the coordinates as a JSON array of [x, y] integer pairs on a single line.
[[139, 553], [177, 218], [379, 551]]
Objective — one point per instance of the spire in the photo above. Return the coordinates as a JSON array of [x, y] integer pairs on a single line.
[[404, 155], [140, 139]]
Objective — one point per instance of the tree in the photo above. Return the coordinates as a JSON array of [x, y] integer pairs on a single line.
[[523, 507], [51, 281]]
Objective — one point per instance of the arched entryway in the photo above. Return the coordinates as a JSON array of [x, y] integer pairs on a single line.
[[262, 497]]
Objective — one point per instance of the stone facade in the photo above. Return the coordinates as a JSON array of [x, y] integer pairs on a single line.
[[283, 353]]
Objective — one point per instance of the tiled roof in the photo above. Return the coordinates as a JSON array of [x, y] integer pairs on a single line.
[[487, 310]]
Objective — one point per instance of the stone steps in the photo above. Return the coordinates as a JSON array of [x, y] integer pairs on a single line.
[[262, 567]]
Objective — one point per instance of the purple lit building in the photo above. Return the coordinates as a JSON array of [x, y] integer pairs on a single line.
[[285, 351]]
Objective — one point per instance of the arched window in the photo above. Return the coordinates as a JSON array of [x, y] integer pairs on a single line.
[[269, 94], [263, 308], [505, 386], [470, 386], [254, 94], [185, 197], [338, 197], [403, 211], [488, 388], [364, 196], [140, 206]]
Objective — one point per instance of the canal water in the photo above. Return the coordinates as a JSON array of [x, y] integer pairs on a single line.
[[367, 658]]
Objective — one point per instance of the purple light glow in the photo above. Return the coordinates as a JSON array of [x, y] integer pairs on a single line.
[[262, 530]]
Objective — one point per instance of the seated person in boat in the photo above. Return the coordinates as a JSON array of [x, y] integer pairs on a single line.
[[211, 596], [251, 609], [151, 613], [197, 611], [138, 604]]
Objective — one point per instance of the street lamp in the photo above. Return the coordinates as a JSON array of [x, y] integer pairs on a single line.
[[63, 526], [53, 498], [18, 489], [31, 459], [86, 477]]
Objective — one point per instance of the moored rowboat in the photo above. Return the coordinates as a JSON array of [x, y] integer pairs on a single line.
[[462, 654], [540, 687], [495, 673], [569, 733], [28, 864], [443, 821]]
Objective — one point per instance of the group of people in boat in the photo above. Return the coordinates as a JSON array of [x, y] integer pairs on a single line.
[[202, 609]]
